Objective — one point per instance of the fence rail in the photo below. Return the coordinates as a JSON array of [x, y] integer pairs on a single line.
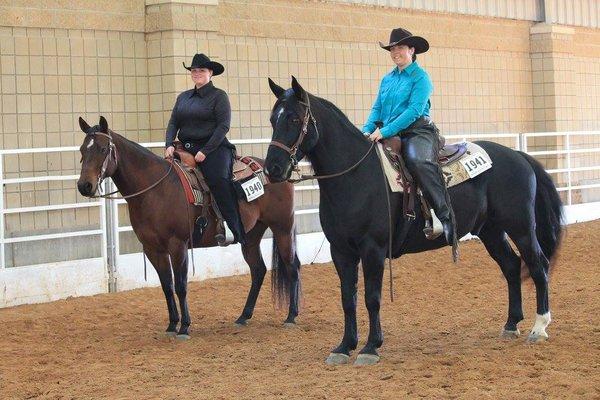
[[109, 222]]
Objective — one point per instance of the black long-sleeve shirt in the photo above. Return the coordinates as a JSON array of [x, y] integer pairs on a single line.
[[201, 116]]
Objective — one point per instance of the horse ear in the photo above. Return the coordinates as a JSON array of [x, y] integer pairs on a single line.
[[298, 90], [84, 125], [103, 124], [276, 89]]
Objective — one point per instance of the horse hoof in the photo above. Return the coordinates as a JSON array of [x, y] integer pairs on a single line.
[[183, 337], [241, 322], [171, 333], [366, 359], [537, 337], [510, 335], [337, 359], [289, 325]]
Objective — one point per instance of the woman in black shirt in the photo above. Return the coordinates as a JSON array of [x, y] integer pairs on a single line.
[[200, 119]]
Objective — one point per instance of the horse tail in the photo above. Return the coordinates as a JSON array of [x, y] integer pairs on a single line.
[[280, 276], [548, 211]]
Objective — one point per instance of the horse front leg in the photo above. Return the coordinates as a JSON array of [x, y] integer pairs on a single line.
[[372, 266], [161, 264], [179, 261], [346, 266]]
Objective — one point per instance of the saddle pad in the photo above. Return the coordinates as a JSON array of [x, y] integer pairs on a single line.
[[475, 161], [193, 195], [246, 167]]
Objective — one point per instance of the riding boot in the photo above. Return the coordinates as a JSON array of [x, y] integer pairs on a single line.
[[420, 150], [217, 169], [226, 198]]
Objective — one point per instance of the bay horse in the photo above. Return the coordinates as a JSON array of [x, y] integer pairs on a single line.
[[516, 198], [161, 220]]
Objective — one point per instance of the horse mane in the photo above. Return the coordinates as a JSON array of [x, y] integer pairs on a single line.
[[327, 106], [135, 145], [340, 117]]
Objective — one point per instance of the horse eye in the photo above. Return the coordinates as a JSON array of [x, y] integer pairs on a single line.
[[104, 150], [296, 120]]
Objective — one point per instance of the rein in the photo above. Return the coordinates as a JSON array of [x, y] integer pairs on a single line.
[[309, 117], [334, 175]]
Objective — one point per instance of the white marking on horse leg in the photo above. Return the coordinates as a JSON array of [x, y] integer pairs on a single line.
[[538, 332], [91, 143]]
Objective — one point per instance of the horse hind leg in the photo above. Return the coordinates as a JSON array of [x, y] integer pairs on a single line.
[[538, 266], [294, 292], [258, 269], [179, 263], [161, 264], [499, 248]]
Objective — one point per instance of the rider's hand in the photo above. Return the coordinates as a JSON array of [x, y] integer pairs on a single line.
[[200, 156], [375, 136], [169, 152]]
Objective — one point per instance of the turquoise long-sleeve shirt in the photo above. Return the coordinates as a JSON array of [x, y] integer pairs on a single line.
[[403, 98]]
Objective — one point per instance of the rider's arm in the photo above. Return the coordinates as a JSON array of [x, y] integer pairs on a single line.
[[172, 126], [375, 114]]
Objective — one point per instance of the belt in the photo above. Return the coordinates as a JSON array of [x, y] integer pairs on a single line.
[[188, 144], [421, 121]]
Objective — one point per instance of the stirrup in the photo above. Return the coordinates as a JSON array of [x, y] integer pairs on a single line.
[[433, 228], [226, 238]]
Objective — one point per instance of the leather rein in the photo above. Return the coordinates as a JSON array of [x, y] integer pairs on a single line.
[[111, 156]]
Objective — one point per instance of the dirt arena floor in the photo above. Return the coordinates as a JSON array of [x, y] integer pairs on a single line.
[[441, 338]]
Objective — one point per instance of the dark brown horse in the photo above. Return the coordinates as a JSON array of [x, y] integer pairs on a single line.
[[161, 219]]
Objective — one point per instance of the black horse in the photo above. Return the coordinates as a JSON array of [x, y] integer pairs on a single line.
[[515, 198]]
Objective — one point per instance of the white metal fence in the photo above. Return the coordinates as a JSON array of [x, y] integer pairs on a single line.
[[562, 148]]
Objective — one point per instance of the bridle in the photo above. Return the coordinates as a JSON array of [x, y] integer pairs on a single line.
[[309, 117], [111, 156]]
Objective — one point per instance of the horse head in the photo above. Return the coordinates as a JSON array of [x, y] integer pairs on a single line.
[[98, 156], [295, 130]]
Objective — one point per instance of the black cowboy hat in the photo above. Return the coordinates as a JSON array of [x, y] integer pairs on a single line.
[[202, 61], [402, 36]]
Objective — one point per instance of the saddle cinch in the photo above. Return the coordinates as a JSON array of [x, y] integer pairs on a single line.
[[196, 188]]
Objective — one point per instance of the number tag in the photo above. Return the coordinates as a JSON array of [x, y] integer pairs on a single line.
[[475, 164], [253, 188]]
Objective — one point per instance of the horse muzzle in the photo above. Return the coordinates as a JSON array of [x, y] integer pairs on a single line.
[[85, 188], [276, 172]]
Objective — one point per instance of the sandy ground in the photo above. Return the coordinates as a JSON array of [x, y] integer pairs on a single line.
[[441, 338]]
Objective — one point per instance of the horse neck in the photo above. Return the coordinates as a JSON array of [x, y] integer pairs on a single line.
[[137, 168], [339, 147]]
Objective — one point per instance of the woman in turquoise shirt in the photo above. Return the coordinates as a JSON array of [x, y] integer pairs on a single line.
[[402, 108]]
